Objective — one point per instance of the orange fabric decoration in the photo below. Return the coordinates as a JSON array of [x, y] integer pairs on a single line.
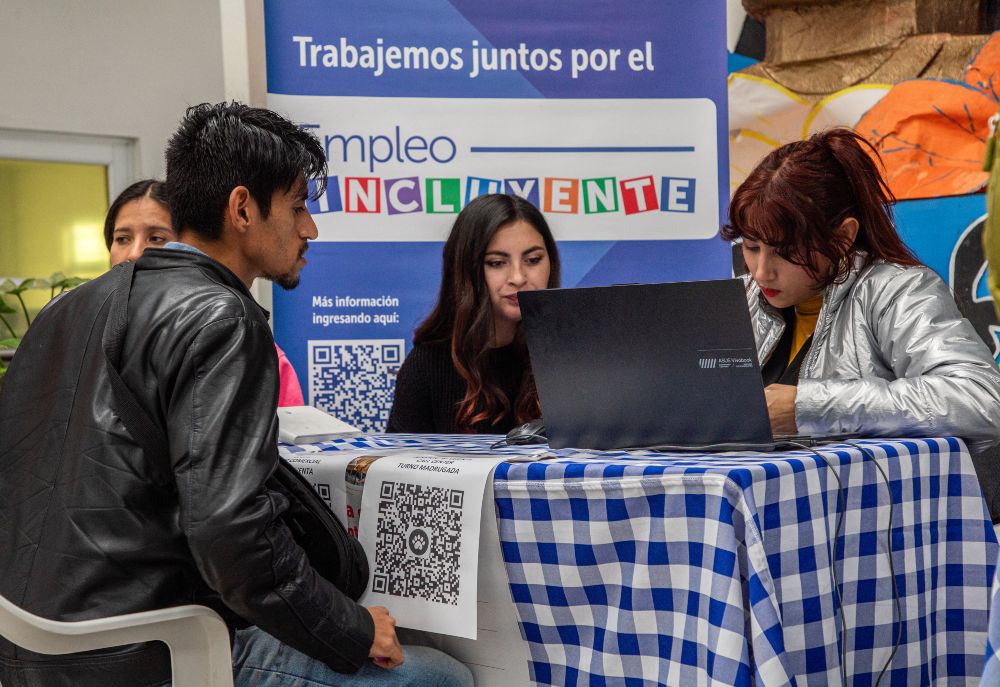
[[932, 134]]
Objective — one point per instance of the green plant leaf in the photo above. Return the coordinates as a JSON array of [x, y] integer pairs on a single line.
[[16, 287], [5, 309], [10, 343], [62, 282]]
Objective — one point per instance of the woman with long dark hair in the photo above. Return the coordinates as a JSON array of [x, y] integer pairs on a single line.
[[853, 334], [468, 371]]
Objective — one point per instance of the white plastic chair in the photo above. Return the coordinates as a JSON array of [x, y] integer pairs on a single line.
[[196, 636]]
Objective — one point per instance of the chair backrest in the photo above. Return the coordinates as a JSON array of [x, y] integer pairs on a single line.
[[196, 636]]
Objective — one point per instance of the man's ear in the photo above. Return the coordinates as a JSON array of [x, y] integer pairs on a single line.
[[240, 209], [846, 233]]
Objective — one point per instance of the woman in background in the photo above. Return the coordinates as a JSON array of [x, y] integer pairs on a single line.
[[468, 371], [853, 334], [139, 218]]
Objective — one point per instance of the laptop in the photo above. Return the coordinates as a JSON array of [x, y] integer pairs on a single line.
[[660, 366]]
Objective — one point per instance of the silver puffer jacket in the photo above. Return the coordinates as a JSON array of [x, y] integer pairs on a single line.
[[891, 356]]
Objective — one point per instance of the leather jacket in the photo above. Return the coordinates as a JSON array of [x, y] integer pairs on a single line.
[[891, 356], [90, 528]]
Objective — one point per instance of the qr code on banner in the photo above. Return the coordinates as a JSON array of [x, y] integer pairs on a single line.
[[355, 379], [418, 542]]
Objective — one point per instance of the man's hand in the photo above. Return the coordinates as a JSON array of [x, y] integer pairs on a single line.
[[385, 651], [781, 407]]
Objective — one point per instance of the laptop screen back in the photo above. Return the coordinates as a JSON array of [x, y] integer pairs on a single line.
[[646, 364]]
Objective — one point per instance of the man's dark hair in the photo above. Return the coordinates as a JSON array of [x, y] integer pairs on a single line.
[[222, 146]]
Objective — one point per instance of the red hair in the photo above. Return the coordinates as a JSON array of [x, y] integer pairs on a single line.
[[798, 196]]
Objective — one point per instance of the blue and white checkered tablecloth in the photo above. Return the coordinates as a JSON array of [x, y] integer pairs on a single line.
[[644, 569]]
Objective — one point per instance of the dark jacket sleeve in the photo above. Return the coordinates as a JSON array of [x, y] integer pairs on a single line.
[[412, 409], [222, 430]]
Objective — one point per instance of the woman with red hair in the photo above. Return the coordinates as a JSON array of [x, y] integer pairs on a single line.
[[468, 371], [853, 334]]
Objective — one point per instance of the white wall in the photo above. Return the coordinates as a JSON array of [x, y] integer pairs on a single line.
[[124, 68]]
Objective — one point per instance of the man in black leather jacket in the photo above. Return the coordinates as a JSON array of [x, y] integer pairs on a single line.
[[91, 527]]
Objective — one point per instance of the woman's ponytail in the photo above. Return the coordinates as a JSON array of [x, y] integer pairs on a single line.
[[873, 199]]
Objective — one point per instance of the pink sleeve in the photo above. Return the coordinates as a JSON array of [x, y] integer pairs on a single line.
[[289, 391]]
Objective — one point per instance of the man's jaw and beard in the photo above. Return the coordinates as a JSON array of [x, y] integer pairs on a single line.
[[290, 279]]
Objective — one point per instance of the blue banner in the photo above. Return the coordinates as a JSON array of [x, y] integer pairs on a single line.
[[947, 236], [611, 118]]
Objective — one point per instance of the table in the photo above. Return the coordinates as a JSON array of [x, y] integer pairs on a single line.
[[642, 568], [991, 668]]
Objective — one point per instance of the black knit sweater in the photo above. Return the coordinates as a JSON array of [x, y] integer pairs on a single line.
[[429, 389]]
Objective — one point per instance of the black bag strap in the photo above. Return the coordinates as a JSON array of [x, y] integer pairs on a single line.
[[136, 420]]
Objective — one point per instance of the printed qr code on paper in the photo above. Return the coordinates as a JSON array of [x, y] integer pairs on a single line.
[[355, 379], [418, 542], [324, 493]]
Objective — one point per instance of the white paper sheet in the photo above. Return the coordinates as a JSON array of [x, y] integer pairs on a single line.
[[499, 656], [420, 522], [308, 425], [328, 473], [325, 472]]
